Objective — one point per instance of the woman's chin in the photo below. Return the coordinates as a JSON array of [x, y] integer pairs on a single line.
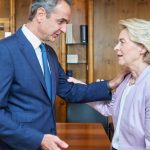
[[121, 63]]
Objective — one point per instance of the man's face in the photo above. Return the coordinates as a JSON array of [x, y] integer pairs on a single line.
[[52, 26]]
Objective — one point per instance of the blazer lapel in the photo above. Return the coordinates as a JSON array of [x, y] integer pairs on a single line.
[[30, 56]]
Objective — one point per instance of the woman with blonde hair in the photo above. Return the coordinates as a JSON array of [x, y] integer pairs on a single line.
[[130, 105]]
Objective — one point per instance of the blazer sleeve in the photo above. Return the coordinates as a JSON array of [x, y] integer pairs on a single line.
[[79, 93], [15, 135], [147, 116], [104, 107]]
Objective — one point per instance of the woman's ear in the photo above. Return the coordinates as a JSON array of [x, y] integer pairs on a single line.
[[143, 49]]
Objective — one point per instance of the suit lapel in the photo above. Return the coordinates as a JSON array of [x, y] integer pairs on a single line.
[[30, 56]]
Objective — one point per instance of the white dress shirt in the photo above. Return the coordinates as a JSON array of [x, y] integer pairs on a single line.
[[35, 42], [115, 140]]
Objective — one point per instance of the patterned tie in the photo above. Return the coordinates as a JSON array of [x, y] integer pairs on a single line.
[[47, 73]]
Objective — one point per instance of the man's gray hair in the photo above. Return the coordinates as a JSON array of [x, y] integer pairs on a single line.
[[48, 5]]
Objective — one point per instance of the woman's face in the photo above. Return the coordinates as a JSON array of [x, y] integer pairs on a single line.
[[128, 52]]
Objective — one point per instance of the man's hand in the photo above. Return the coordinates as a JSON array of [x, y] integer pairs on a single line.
[[52, 142], [71, 79], [114, 83]]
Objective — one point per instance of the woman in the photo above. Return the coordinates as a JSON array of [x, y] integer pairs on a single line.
[[130, 105]]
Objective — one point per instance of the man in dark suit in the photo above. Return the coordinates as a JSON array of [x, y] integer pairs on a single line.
[[27, 117]]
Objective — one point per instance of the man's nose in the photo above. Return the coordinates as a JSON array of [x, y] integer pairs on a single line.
[[64, 28]]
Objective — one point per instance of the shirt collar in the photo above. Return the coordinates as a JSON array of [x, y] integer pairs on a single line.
[[34, 40]]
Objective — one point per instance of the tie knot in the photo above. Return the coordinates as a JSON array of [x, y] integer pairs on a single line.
[[42, 47]]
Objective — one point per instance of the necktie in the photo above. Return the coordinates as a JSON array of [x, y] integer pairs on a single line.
[[47, 73]]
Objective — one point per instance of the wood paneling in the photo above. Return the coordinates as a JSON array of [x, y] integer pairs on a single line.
[[79, 17], [22, 11], [107, 13], [60, 106], [7, 17], [4, 8], [90, 41], [12, 15], [83, 136]]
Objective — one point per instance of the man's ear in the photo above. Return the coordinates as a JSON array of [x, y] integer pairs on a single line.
[[40, 15]]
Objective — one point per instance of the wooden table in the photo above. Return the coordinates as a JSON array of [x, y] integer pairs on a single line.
[[84, 136]]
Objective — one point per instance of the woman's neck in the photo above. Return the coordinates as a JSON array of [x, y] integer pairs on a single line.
[[136, 71]]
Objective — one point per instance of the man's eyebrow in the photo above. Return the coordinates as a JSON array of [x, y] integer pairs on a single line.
[[63, 19]]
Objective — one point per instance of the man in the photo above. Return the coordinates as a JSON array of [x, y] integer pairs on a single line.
[[27, 117]]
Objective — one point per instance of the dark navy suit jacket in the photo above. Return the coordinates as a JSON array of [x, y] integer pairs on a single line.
[[26, 112]]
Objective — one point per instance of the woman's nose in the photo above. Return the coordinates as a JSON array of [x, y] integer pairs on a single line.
[[116, 48]]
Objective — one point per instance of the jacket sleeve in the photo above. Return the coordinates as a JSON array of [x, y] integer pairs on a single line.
[[79, 93], [12, 133], [104, 107], [147, 117]]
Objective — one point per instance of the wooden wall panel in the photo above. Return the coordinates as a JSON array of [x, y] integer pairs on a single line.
[[107, 13], [22, 10], [79, 17], [7, 17], [4, 8]]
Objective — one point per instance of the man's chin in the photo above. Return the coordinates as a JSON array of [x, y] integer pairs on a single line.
[[52, 39]]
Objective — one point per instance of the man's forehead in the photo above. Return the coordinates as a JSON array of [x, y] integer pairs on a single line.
[[62, 7], [62, 14]]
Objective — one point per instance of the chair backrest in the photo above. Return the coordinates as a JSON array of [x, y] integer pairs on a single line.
[[84, 113]]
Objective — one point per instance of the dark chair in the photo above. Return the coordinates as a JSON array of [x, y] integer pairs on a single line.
[[85, 113]]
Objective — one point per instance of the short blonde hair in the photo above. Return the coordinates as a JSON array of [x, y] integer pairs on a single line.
[[139, 32]]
